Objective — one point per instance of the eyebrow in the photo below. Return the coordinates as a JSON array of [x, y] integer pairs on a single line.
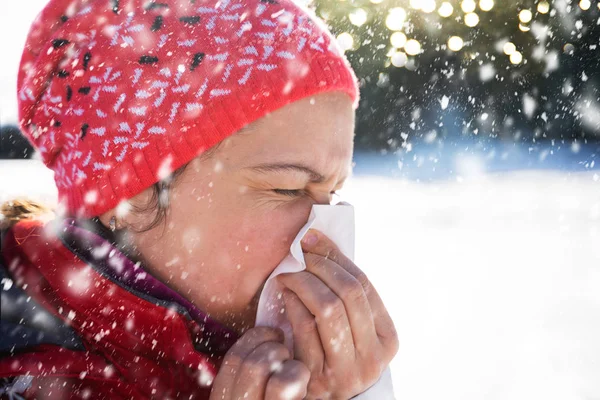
[[315, 177]]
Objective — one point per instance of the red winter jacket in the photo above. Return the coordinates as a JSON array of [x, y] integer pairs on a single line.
[[81, 320]]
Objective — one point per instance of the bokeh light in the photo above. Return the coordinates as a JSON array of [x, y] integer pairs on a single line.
[[509, 48], [586, 4], [398, 39], [358, 17], [486, 5], [525, 16], [396, 18], [446, 9], [416, 4], [428, 6], [471, 19], [412, 47], [455, 43], [468, 6], [524, 28], [516, 57], [345, 40], [543, 7], [568, 48], [399, 59]]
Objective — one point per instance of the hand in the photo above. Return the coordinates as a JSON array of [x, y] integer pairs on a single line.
[[342, 331], [258, 366]]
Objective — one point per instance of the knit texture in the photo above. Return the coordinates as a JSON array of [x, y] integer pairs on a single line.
[[116, 94]]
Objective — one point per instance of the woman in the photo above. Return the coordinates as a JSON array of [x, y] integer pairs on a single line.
[[189, 141]]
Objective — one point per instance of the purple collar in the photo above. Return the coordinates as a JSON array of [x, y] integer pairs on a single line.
[[111, 262]]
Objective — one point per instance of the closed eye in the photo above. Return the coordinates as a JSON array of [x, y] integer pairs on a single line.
[[294, 192], [289, 192]]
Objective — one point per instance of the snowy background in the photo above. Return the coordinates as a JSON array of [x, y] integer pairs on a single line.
[[488, 256], [493, 282]]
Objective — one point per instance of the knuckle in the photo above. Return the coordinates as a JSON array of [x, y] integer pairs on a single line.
[[333, 308], [264, 360], [389, 336], [317, 389], [293, 371], [337, 257], [357, 385], [291, 381], [364, 281], [330, 254], [350, 384], [303, 371], [353, 290], [393, 346], [232, 360], [373, 368], [253, 338], [311, 258], [307, 325], [264, 333], [273, 351], [315, 261], [254, 368], [304, 277], [280, 352]]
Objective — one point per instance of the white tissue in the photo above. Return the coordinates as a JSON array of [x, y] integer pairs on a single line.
[[337, 223]]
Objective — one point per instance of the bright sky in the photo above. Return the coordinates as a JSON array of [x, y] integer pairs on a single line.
[[14, 26]]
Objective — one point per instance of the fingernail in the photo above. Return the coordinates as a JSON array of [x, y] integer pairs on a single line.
[[310, 239]]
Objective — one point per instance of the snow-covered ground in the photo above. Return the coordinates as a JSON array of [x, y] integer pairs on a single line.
[[493, 280], [494, 284]]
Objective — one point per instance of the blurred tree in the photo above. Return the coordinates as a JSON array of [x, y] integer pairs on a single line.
[[430, 70]]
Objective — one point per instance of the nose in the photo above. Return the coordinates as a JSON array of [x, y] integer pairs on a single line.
[[322, 198]]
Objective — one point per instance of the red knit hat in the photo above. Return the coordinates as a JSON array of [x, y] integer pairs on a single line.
[[116, 94]]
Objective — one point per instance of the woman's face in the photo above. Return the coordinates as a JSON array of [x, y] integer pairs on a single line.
[[233, 216]]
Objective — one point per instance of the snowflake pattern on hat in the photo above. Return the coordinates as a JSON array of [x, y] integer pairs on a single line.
[[110, 89]]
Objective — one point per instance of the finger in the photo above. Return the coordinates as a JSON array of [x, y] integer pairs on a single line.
[[330, 315], [307, 343], [384, 326], [257, 367], [289, 383], [347, 288], [223, 384]]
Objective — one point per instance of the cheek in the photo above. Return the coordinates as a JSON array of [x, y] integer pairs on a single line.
[[234, 242], [265, 239]]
